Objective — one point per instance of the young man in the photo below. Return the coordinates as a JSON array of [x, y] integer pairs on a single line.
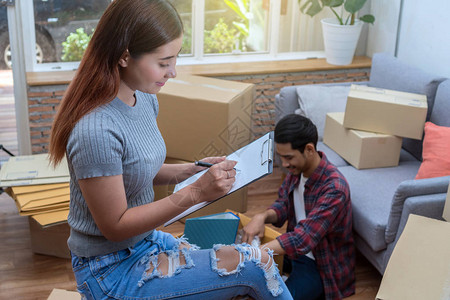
[[315, 201]]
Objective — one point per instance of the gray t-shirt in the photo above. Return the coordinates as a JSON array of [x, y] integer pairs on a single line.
[[113, 139]]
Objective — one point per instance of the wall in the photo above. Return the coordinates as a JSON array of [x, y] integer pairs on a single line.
[[382, 36], [422, 28], [424, 35], [44, 100]]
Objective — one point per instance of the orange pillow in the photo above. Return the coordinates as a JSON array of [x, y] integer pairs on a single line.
[[435, 153]]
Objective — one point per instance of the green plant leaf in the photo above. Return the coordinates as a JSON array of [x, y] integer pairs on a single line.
[[243, 29], [332, 3], [310, 7], [368, 19], [235, 7], [353, 6]]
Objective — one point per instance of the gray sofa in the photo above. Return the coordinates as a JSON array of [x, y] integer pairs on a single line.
[[382, 198]]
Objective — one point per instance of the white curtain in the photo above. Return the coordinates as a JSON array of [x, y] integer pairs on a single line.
[[301, 32]]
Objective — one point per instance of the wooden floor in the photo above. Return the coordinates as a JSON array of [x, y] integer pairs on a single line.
[[24, 275]]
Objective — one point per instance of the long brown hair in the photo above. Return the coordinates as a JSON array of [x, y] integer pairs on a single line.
[[139, 26]]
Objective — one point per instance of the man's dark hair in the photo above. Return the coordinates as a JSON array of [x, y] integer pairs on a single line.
[[297, 130]]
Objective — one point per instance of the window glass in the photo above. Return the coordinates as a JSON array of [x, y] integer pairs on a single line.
[[184, 8], [64, 27], [235, 26]]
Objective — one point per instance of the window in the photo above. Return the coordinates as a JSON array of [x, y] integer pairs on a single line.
[[215, 31]]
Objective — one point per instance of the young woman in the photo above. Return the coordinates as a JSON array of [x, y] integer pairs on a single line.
[[106, 127]]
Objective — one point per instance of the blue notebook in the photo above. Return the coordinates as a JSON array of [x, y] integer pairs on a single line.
[[213, 229]]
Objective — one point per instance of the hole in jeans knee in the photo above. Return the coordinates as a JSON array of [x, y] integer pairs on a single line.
[[228, 258], [185, 246], [167, 263], [266, 260]]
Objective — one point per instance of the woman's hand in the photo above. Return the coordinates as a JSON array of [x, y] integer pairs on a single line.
[[212, 160], [216, 182]]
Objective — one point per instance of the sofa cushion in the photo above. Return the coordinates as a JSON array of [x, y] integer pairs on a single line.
[[441, 110], [390, 73], [371, 195], [436, 146], [285, 102], [316, 101]]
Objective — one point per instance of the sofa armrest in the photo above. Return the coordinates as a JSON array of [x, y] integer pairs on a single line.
[[429, 188]]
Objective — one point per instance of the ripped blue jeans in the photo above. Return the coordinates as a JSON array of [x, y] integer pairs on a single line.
[[188, 273]]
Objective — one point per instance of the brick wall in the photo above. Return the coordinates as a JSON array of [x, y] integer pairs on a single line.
[[268, 85], [43, 101]]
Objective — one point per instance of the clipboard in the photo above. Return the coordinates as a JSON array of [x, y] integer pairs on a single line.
[[254, 161]]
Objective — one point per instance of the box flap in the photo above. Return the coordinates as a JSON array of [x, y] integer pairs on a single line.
[[51, 218], [37, 199], [204, 88], [18, 190], [419, 267], [385, 95]]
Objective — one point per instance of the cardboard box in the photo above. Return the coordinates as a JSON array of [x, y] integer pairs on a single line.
[[361, 149], [201, 116], [386, 111], [269, 235], [236, 201], [51, 240], [58, 294], [419, 267]]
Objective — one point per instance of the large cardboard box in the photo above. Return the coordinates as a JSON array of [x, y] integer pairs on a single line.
[[361, 149], [419, 267], [386, 111], [236, 201], [201, 116], [50, 240]]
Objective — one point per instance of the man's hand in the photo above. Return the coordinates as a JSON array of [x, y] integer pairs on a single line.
[[254, 228]]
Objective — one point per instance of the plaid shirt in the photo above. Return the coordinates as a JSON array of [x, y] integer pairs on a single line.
[[327, 229]]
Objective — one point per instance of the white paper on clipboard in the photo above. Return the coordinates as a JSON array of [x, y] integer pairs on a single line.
[[254, 161]]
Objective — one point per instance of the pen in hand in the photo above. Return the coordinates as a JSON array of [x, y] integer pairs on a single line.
[[207, 165], [203, 164]]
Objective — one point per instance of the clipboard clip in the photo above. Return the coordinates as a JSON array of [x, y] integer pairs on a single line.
[[267, 151]]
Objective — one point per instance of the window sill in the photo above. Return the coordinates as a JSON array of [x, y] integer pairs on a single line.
[[228, 69]]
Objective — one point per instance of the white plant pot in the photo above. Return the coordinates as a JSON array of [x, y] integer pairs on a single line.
[[340, 40]]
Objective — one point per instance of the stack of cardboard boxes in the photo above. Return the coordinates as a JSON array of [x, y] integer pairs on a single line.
[[42, 193], [369, 134], [201, 117]]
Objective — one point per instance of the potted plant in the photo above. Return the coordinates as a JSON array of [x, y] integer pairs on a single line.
[[340, 34]]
